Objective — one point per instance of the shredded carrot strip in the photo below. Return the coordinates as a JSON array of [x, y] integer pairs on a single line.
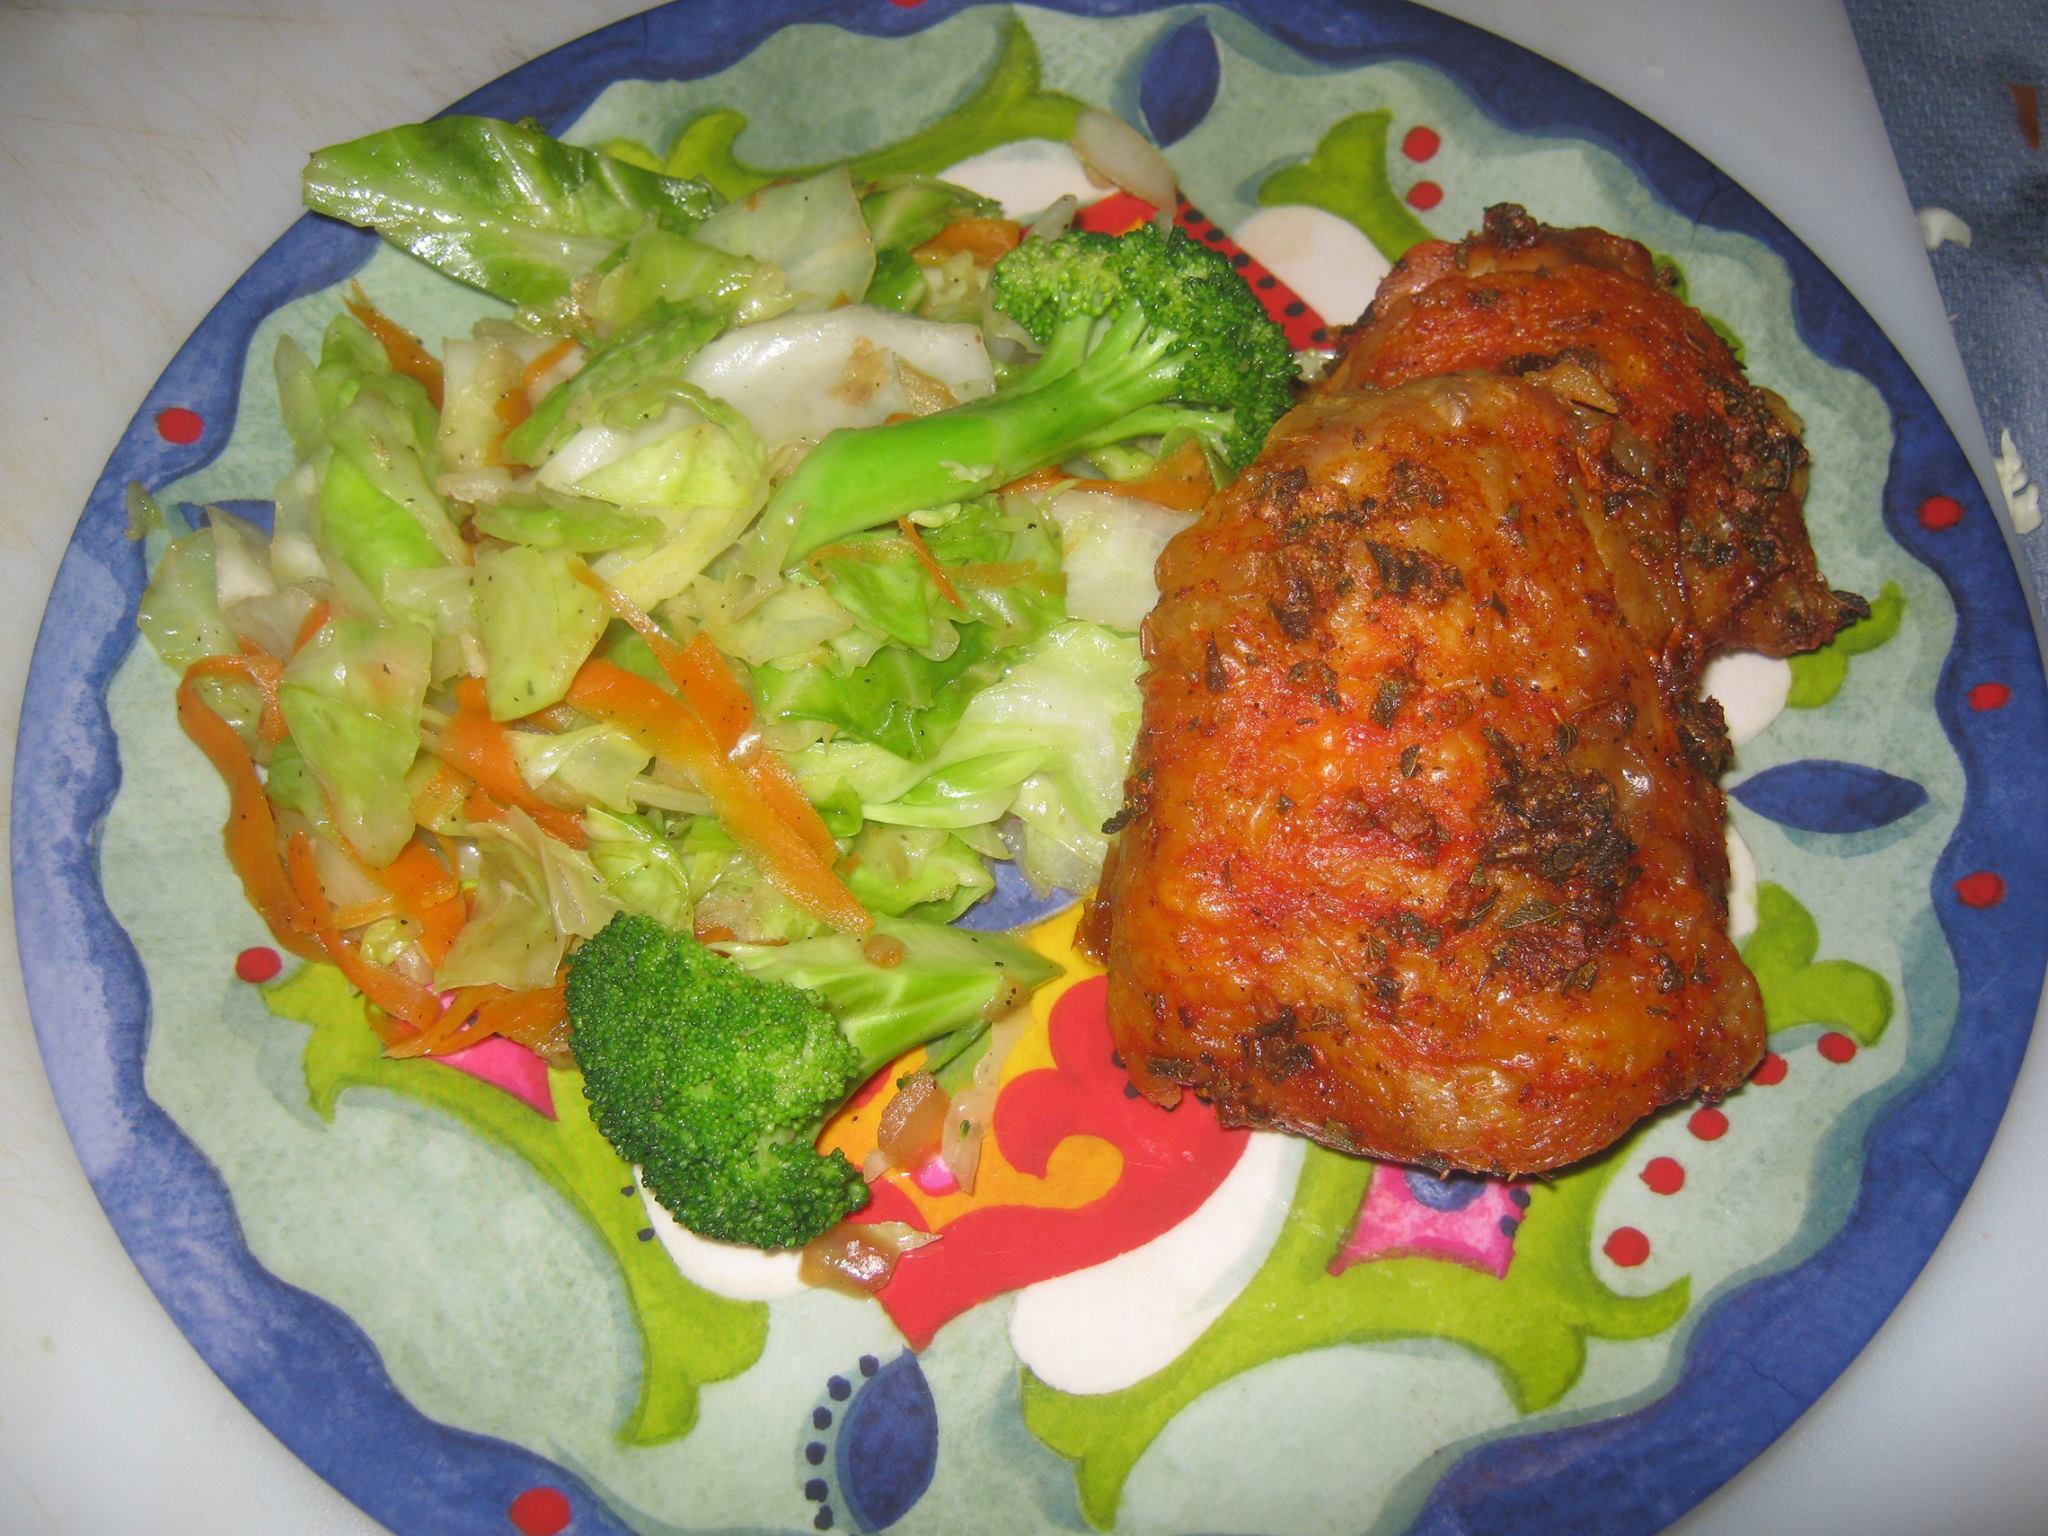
[[454, 1023], [401, 999], [707, 685], [480, 747], [474, 1014], [1180, 482], [987, 240], [360, 914], [400, 345], [528, 1017], [315, 621], [932, 568], [670, 729], [541, 366], [512, 407], [259, 668], [250, 835], [1038, 480], [434, 800], [425, 890]]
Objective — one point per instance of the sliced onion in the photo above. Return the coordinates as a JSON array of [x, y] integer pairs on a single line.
[[968, 1116], [859, 1259], [913, 1121], [1057, 219], [1112, 148]]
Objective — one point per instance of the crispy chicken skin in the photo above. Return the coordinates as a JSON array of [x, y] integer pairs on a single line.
[[1419, 858], [1699, 474]]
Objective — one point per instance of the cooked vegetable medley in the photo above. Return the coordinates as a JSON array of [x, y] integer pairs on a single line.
[[759, 576]]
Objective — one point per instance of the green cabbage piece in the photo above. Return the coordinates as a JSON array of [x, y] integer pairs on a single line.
[[593, 765], [1045, 748], [640, 867], [533, 894], [500, 206], [907, 696], [363, 499], [811, 229], [352, 699], [653, 351], [179, 614], [556, 520], [917, 872], [537, 623], [662, 267]]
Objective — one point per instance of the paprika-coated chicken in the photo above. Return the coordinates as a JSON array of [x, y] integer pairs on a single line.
[[1418, 861], [1698, 474], [1421, 854]]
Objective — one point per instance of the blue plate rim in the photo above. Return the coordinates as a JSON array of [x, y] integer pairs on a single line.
[[336, 1407]]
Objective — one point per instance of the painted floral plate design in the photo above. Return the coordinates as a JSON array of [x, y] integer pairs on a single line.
[[440, 1287]]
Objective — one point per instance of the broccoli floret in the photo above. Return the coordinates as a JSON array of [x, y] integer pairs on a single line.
[[715, 1074], [1143, 334]]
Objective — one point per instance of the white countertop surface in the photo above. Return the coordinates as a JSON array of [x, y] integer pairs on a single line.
[[149, 153]]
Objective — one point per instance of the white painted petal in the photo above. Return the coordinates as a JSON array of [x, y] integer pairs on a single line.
[[1741, 887], [1321, 257], [1101, 1329], [724, 1269], [1027, 176], [1751, 690]]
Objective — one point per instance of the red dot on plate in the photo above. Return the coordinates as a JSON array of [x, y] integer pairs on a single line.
[[1990, 696], [1626, 1246], [1420, 143], [1770, 1071], [259, 962], [1425, 195], [1940, 512], [1836, 1047], [1664, 1175], [1983, 889], [175, 424], [1708, 1124], [540, 1511]]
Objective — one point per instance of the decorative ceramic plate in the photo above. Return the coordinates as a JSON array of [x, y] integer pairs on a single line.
[[444, 1292]]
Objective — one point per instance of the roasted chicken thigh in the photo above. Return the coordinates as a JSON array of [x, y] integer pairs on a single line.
[[1698, 475], [1419, 859]]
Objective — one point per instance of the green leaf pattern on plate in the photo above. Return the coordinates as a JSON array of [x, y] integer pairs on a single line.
[[688, 1336]]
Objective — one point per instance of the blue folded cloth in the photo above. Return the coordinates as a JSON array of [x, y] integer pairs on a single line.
[[1964, 93]]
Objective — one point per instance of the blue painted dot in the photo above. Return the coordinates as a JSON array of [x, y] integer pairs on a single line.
[[1519, 1197], [815, 1490], [1451, 1193], [839, 1389], [821, 1418], [1509, 1226], [814, 1453], [645, 1234], [823, 1519], [869, 1365], [888, 1446], [1177, 83]]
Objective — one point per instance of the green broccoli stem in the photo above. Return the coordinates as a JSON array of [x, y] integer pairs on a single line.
[[863, 478], [949, 984]]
